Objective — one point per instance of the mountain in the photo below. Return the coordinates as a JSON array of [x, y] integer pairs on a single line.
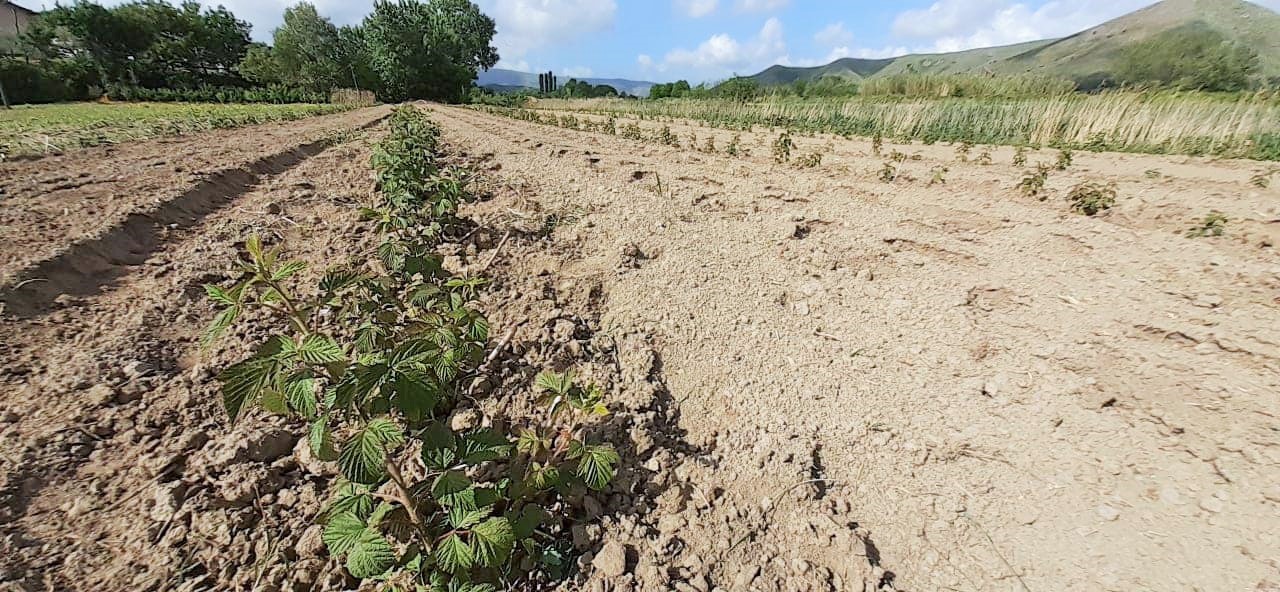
[[1087, 56], [500, 80]]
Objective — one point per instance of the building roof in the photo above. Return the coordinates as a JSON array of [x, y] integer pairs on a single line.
[[18, 6]]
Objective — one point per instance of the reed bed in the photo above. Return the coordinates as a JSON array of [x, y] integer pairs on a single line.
[[1246, 126]]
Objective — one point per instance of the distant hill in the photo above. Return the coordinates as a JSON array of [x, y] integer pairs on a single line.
[[1086, 56], [500, 80]]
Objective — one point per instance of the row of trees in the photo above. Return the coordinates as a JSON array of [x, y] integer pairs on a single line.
[[404, 49]]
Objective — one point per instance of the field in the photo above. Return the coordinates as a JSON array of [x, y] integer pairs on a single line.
[[830, 363], [1153, 123], [43, 129]]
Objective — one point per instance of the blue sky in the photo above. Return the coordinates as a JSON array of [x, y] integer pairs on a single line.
[[707, 40]]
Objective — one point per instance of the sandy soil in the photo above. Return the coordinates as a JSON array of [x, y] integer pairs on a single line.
[[820, 381]]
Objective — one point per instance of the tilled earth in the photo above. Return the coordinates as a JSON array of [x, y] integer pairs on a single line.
[[820, 381]]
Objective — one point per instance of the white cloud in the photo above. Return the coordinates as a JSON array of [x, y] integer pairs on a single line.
[[833, 35], [760, 5], [527, 25], [722, 53], [576, 72], [644, 61], [695, 8]]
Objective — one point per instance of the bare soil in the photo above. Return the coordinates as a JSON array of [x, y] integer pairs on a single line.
[[820, 381]]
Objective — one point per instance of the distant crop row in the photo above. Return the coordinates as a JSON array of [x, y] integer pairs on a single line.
[[48, 129], [1192, 124]]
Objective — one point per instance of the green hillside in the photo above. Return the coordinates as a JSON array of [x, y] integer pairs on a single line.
[[1086, 57]]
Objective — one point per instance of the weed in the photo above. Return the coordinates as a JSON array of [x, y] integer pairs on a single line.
[[1065, 158], [1262, 179], [897, 157], [1153, 174], [1214, 224], [810, 160], [710, 146], [782, 147], [888, 173], [1091, 198], [631, 131], [962, 151], [984, 159], [877, 144], [939, 175], [666, 137], [611, 126], [734, 145], [1020, 157], [1032, 185]]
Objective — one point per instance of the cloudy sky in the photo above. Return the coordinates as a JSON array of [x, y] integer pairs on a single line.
[[701, 40]]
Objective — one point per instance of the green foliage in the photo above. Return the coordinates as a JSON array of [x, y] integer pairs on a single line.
[[374, 359], [940, 86], [1065, 158], [735, 145], [888, 173], [939, 175], [1191, 57], [428, 49], [672, 90], [810, 160], [1214, 224], [877, 144], [631, 131], [1032, 185], [782, 147], [1092, 198], [984, 158], [963, 150], [1020, 157], [665, 136]]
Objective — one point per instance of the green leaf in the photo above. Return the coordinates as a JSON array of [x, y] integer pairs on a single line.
[[273, 401], [219, 295], [363, 458], [300, 393], [554, 382], [461, 518], [342, 533], [338, 280], [493, 540], [451, 488], [454, 555], [221, 322], [484, 445], [438, 445], [531, 517], [246, 380], [315, 349], [595, 464], [287, 270], [254, 246], [372, 556], [321, 440], [415, 395]]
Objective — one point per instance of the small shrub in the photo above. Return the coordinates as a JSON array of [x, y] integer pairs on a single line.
[[1091, 198], [710, 146], [877, 144], [1214, 224], [888, 173], [782, 147], [1065, 158], [939, 175], [810, 160], [962, 151], [1032, 185], [734, 147], [897, 157], [631, 131], [984, 159], [1020, 157], [667, 138]]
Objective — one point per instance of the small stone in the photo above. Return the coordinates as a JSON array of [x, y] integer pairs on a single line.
[[865, 275], [311, 543], [270, 444], [612, 559], [1211, 504], [1108, 513], [464, 420], [99, 395], [766, 504], [167, 501]]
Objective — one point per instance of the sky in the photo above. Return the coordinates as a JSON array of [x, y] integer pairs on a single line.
[[710, 40]]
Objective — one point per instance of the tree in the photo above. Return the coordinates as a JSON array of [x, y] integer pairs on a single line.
[[428, 49], [1190, 57], [308, 49]]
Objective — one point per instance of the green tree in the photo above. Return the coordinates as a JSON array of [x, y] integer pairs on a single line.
[[1190, 57], [428, 49], [307, 49]]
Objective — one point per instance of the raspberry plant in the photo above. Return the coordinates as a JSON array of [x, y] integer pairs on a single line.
[[373, 361]]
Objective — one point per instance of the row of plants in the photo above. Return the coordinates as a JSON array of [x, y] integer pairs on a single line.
[[1243, 126], [372, 362]]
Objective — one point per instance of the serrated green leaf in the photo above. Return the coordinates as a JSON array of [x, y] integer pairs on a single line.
[[484, 445], [272, 400], [337, 280], [342, 533], [320, 438], [452, 488], [245, 381], [221, 322], [219, 295], [371, 557], [358, 383], [315, 349], [461, 518], [531, 517], [363, 458], [554, 382], [492, 541], [415, 395], [287, 270], [454, 555], [438, 447], [596, 465], [300, 393]]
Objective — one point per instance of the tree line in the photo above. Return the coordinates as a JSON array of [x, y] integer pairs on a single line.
[[403, 49]]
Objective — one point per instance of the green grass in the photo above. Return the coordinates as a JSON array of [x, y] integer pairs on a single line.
[[1244, 126], [45, 129]]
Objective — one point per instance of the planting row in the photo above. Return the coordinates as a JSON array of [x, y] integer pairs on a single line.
[[374, 360]]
